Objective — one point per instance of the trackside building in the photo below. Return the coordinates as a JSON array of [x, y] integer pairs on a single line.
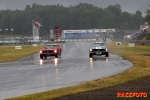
[[88, 33]]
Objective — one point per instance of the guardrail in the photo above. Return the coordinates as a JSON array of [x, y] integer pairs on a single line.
[[146, 42], [48, 41], [80, 40]]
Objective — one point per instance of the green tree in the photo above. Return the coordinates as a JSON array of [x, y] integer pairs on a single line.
[[148, 15], [115, 9], [81, 16]]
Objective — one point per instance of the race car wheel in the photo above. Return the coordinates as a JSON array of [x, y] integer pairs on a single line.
[[107, 54], [56, 56], [41, 57], [90, 55]]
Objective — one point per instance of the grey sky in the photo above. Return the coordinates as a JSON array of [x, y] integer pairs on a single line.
[[130, 6]]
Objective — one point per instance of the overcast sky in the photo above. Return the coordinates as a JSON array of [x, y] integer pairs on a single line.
[[130, 6]]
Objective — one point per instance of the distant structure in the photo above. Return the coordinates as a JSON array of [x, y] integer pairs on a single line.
[[145, 27], [118, 35], [35, 30], [85, 33], [51, 36], [35, 34]]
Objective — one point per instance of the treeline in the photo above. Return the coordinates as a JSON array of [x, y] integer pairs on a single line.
[[148, 15], [82, 16]]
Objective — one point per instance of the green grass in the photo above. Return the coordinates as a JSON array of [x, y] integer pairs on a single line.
[[137, 55], [9, 53]]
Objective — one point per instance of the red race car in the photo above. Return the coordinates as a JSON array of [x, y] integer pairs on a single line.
[[50, 50]]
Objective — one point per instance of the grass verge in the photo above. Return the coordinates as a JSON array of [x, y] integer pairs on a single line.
[[9, 53], [138, 55]]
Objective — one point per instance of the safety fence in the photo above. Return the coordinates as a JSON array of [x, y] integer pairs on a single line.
[[48, 41], [142, 42], [84, 40], [145, 42]]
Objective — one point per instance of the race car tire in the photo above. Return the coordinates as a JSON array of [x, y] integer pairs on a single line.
[[56, 56], [90, 55], [107, 54], [41, 56]]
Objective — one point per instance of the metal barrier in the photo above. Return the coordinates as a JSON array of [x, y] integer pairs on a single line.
[[47, 41], [81, 40], [146, 42]]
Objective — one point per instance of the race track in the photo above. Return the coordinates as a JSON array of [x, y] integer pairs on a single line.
[[32, 75]]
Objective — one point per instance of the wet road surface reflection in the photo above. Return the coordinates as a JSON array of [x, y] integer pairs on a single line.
[[54, 61], [99, 58]]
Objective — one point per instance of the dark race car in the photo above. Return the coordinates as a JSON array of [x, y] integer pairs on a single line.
[[50, 50], [98, 48]]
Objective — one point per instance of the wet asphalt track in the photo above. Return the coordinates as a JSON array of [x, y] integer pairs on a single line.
[[32, 75]]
